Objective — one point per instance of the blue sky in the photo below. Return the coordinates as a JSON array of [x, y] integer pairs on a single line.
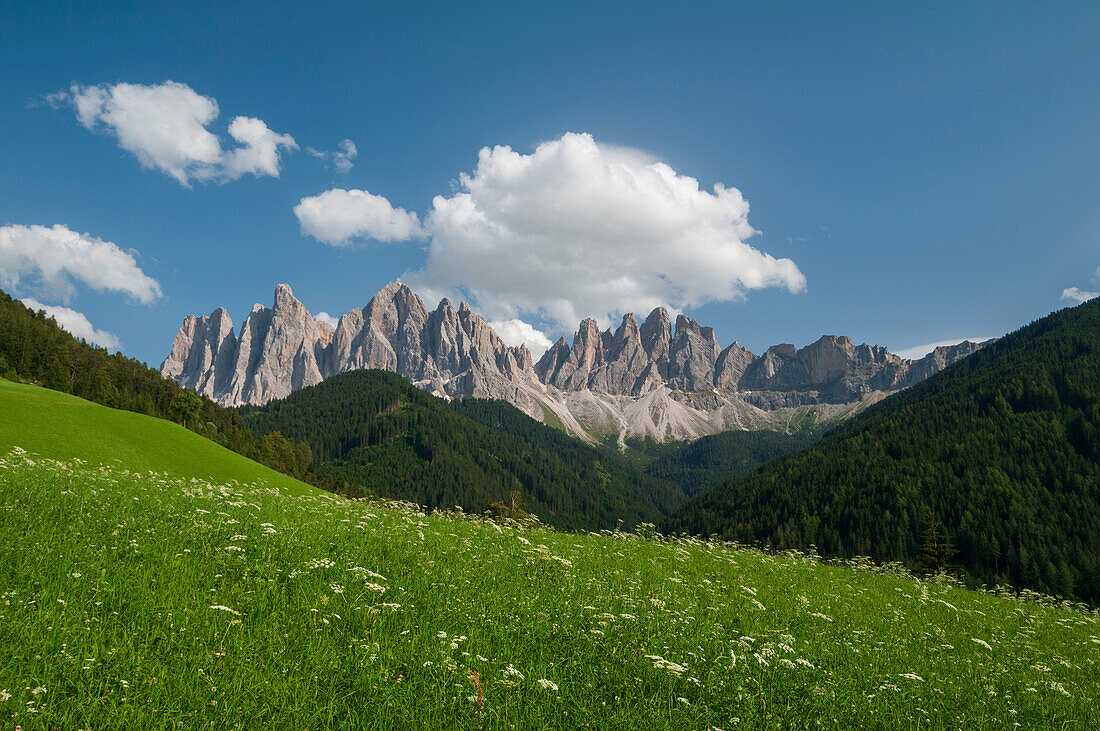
[[930, 173]]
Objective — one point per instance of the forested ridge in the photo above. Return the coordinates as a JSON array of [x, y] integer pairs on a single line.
[[33, 348], [705, 463], [1001, 449], [376, 430]]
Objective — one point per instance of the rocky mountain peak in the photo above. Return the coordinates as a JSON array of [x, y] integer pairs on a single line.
[[284, 298], [656, 334], [647, 379], [692, 356]]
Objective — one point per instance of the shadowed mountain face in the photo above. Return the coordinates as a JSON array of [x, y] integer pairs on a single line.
[[643, 380]]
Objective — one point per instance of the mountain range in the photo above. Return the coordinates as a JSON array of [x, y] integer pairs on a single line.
[[644, 379]]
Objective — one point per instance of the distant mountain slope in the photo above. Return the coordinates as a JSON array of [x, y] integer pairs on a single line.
[[1003, 448], [375, 429], [645, 379], [705, 463], [59, 426]]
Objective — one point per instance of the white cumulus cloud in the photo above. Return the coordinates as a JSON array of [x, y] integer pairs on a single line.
[[342, 158], [517, 332], [578, 229], [917, 352], [57, 255], [76, 323], [327, 319], [1077, 296], [166, 127], [338, 217]]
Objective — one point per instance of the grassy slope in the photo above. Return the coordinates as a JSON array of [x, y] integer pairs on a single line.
[[59, 426], [132, 601]]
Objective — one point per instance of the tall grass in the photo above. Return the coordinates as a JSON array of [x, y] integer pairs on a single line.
[[133, 600]]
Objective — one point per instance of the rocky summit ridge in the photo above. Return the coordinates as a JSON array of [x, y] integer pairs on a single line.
[[648, 379]]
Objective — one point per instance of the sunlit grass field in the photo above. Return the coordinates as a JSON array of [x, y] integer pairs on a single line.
[[60, 426], [133, 600]]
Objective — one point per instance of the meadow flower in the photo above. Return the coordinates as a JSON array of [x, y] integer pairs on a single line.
[[366, 572], [6, 696], [912, 676], [662, 664], [983, 643], [547, 684], [225, 609], [511, 671], [39, 690]]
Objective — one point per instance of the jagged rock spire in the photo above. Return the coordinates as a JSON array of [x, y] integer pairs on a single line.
[[646, 379]]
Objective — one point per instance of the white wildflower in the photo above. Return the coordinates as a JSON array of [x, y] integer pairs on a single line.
[[367, 572], [983, 643], [547, 685], [662, 664], [912, 676], [511, 671], [223, 608]]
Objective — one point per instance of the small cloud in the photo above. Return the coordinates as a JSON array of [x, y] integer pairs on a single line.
[[57, 255], [259, 150], [75, 323], [327, 319], [1077, 296], [166, 127], [56, 100], [337, 217], [517, 332], [917, 352], [341, 158]]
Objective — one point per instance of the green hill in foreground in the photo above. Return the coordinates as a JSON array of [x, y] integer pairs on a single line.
[[59, 426], [136, 601], [1002, 449]]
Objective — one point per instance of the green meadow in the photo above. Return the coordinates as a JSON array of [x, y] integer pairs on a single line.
[[60, 426], [198, 591]]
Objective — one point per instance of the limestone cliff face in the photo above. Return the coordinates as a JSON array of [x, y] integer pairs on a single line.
[[203, 349], [281, 349], [647, 379]]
